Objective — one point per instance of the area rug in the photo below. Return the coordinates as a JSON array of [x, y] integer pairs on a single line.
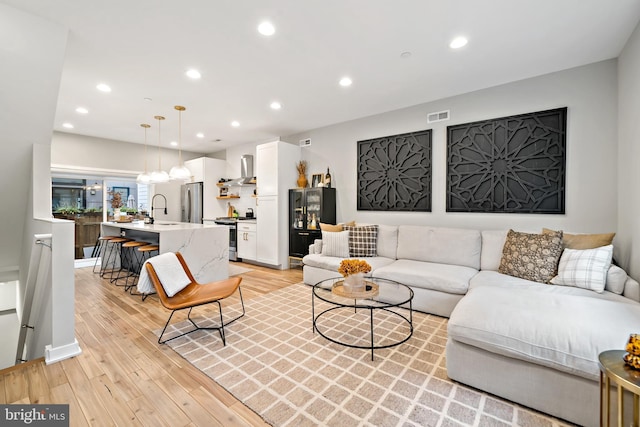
[[276, 365], [234, 270]]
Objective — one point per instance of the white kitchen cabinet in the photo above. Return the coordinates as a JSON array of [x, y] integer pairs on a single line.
[[247, 243], [208, 171], [275, 173], [268, 233]]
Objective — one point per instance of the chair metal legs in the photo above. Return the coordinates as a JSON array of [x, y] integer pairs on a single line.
[[219, 328]]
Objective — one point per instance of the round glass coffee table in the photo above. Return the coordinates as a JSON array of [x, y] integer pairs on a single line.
[[348, 318]]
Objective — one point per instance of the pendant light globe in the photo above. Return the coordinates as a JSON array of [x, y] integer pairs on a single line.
[[144, 177], [180, 172], [159, 175]]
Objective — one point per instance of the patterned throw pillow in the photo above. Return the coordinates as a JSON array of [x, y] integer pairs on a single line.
[[363, 240], [585, 268], [531, 256]]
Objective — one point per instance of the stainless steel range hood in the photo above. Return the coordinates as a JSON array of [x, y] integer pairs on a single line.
[[246, 172]]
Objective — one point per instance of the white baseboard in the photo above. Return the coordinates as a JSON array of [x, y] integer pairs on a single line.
[[53, 355]]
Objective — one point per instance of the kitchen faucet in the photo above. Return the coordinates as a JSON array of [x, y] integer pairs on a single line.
[[152, 208]]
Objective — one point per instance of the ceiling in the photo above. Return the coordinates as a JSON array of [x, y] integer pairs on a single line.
[[142, 49]]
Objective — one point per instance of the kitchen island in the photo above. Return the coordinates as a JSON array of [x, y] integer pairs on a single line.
[[205, 247]]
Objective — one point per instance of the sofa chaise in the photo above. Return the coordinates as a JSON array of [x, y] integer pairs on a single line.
[[532, 343]]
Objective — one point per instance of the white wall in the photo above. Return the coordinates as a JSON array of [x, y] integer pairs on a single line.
[[90, 153], [589, 92], [31, 54], [629, 154]]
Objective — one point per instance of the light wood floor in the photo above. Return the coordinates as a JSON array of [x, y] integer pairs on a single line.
[[123, 376]]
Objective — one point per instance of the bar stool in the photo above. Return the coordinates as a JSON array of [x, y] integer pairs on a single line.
[[131, 260], [146, 252], [114, 249], [99, 248]]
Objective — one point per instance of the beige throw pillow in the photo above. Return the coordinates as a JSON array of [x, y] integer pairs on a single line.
[[330, 227], [531, 256], [335, 244], [584, 241]]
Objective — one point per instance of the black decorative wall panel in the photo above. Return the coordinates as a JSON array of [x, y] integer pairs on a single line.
[[512, 164], [394, 173]]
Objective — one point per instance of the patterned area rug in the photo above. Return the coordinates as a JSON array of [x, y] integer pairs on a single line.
[[278, 367]]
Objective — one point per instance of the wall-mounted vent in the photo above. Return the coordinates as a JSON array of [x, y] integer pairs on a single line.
[[305, 142], [438, 116]]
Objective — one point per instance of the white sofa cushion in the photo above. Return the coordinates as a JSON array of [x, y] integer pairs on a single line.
[[332, 263], [453, 279], [453, 246], [585, 268], [495, 279], [616, 278], [492, 244], [335, 243], [559, 330], [387, 241]]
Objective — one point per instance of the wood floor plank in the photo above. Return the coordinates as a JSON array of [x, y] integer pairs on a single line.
[[3, 398], [37, 383], [64, 394], [114, 402], [123, 376], [89, 402], [54, 374], [165, 407], [16, 386]]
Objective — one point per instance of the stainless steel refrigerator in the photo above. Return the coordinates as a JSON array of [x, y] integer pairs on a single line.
[[191, 197]]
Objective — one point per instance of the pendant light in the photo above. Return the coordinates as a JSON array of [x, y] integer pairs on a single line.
[[159, 175], [180, 172], [144, 177]]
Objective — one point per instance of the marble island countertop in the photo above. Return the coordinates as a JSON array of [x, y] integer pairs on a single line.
[[204, 247], [158, 226]]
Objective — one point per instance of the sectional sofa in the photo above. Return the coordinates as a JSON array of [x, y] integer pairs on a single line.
[[532, 343]]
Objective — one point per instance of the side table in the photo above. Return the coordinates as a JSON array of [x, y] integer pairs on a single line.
[[613, 369]]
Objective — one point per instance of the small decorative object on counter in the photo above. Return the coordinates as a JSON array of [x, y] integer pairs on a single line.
[[327, 179], [632, 358], [301, 166]]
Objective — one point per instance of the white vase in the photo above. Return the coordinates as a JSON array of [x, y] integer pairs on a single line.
[[354, 282]]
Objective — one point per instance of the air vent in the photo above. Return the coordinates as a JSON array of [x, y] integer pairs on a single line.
[[305, 142], [438, 116]]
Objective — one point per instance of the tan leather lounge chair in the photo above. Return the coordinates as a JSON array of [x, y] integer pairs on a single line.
[[194, 295]]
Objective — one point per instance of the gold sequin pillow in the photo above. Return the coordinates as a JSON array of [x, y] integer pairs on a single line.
[[531, 256]]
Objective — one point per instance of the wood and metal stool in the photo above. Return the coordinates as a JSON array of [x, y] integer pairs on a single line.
[[146, 252]]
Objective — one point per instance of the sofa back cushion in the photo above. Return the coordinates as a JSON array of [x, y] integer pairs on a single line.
[[453, 246], [388, 241], [492, 244]]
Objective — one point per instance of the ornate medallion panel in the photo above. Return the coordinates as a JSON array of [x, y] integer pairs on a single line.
[[394, 173], [512, 164]]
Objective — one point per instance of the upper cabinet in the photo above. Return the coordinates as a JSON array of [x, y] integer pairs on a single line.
[[276, 167], [208, 171]]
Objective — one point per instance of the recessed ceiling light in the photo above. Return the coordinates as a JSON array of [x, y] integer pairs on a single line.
[[235, 123], [266, 29], [275, 105], [345, 81], [200, 135], [67, 125], [147, 99], [173, 143], [103, 87], [193, 74], [82, 110], [405, 55], [458, 42]]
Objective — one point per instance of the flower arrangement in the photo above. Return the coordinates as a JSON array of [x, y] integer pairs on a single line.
[[301, 166], [353, 266]]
